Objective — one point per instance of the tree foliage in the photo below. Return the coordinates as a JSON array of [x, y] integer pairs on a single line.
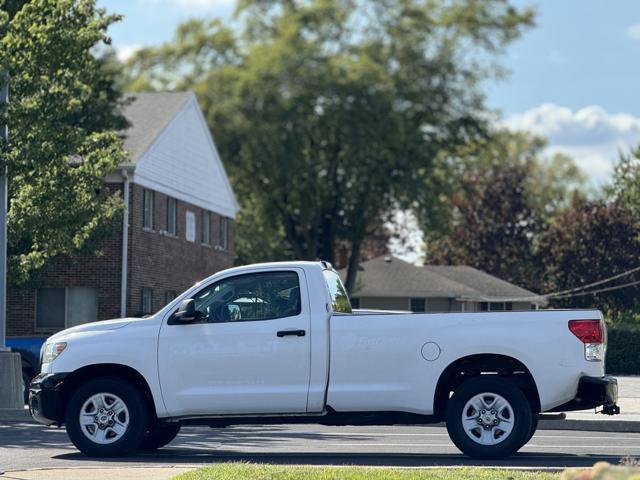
[[63, 121], [625, 186], [331, 113], [503, 196], [589, 242]]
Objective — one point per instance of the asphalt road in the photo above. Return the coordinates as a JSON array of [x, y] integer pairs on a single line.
[[25, 446]]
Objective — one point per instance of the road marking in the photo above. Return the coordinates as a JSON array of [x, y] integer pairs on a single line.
[[434, 445], [449, 445], [381, 434]]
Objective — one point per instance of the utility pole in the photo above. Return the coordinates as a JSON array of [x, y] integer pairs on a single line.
[[4, 137], [10, 363]]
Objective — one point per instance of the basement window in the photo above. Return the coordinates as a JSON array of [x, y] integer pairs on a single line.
[[146, 301], [58, 308]]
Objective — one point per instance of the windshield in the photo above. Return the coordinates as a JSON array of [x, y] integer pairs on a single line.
[[339, 298]]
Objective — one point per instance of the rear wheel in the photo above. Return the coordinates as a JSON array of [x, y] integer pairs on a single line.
[[159, 435], [488, 417], [106, 417]]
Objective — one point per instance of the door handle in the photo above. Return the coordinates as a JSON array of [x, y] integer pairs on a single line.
[[295, 333]]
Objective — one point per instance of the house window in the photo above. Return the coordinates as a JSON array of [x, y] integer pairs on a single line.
[[355, 303], [496, 306], [146, 301], [508, 306], [418, 305], [172, 218], [147, 209], [484, 306], [190, 226], [205, 234], [169, 296], [59, 308], [223, 240]]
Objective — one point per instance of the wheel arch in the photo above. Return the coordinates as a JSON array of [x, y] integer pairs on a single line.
[[28, 361], [107, 370], [470, 366]]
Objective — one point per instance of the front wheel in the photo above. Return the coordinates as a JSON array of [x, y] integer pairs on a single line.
[[489, 418], [26, 380], [106, 417]]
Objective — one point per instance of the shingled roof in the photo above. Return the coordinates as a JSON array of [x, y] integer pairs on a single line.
[[149, 113], [487, 285], [393, 277]]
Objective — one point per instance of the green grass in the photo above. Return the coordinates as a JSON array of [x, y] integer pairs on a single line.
[[245, 471]]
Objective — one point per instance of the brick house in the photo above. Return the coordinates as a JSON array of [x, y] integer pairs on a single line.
[[178, 226]]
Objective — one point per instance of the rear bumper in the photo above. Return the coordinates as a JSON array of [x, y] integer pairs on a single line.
[[594, 392], [45, 398]]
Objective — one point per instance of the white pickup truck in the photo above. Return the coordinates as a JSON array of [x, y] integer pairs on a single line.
[[279, 343]]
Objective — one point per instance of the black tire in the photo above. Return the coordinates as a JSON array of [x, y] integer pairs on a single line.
[[159, 435], [534, 427], [26, 381], [138, 418], [506, 446]]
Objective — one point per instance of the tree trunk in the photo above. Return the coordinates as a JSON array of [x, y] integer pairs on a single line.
[[354, 262], [327, 240]]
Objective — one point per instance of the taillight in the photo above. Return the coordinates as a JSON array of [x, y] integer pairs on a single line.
[[588, 331], [591, 333]]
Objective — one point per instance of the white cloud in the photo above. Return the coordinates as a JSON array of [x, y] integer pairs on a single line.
[[592, 136], [634, 31], [124, 52]]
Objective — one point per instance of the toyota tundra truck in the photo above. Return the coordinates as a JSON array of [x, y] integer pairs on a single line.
[[280, 343]]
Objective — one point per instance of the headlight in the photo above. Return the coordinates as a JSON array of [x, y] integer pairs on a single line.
[[52, 350]]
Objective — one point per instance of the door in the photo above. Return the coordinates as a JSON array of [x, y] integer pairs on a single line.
[[249, 353]]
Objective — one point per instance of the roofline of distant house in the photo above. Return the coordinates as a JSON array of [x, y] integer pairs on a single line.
[[537, 299]]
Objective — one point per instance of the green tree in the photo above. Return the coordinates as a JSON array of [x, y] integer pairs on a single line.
[[63, 122], [502, 197], [330, 113], [625, 186], [589, 242]]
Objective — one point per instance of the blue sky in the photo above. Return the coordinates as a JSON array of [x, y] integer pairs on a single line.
[[575, 78]]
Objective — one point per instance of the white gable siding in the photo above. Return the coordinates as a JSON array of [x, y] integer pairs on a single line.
[[184, 163]]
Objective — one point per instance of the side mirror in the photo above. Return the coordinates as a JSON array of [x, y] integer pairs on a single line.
[[186, 312]]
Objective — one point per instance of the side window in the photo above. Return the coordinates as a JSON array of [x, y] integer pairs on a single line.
[[252, 297], [339, 298]]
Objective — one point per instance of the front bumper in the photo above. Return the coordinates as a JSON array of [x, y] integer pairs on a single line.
[[594, 392], [45, 398]]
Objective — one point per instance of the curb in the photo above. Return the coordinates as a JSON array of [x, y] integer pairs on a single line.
[[591, 425], [626, 426]]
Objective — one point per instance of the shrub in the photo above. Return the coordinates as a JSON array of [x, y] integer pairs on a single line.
[[623, 349], [603, 471]]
